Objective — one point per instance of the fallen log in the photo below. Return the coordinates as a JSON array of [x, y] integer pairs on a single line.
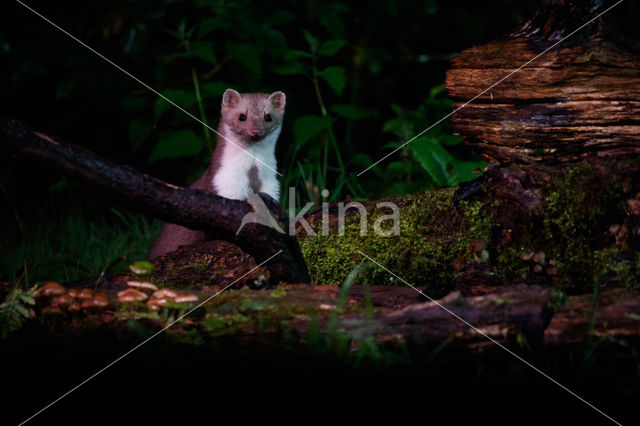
[[195, 209], [579, 100]]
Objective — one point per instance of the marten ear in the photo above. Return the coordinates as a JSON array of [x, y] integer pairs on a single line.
[[230, 99], [278, 100]]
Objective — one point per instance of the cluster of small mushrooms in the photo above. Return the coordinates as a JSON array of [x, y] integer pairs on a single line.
[[61, 299], [139, 291], [70, 300]]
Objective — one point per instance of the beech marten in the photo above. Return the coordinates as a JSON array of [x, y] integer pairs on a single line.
[[250, 124]]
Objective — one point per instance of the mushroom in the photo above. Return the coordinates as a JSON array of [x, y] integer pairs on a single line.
[[50, 310], [99, 300], [156, 303], [85, 293], [73, 292], [143, 286], [165, 292], [131, 295], [51, 288], [73, 307], [183, 298], [63, 300]]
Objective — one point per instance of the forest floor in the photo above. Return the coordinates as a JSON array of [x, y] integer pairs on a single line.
[[322, 336]]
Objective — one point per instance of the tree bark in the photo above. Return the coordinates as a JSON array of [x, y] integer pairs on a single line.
[[579, 100], [195, 209]]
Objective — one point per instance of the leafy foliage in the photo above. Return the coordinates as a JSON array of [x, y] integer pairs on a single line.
[[14, 310], [182, 143]]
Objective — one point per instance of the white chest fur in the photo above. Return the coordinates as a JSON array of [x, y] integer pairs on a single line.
[[231, 180]]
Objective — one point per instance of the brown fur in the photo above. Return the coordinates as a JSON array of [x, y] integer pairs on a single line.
[[254, 180]]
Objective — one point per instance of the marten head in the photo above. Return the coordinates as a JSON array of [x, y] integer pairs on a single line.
[[252, 116]]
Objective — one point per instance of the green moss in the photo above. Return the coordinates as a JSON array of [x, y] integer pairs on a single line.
[[577, 207], [433, 233], [219, 323], [621, 269], [571, 229], [194, 265], [278, 292]]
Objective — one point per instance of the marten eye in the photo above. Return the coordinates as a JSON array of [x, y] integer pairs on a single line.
[[267, 117], [242, 117]]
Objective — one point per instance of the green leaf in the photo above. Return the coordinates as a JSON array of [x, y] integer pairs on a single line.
[[463, 171], [450, 140], [177, 144], [141, 267], [248, 55], [197, 49], [395, 170], [364, 161], [312, 40], [296, 54], [272, 43], [332, 22], [308, 127], [135, 104], [214, 89], [290, 68], [436, 90], [392, 126], [433, 158], [392, 145], [209, 25], [397, 109], [203, 50], [352, 112], [331, 47], [335, 77], [180, 97], [139, 131]]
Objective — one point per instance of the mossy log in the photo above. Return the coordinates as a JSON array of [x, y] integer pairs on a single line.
[[572, 227], [392, 316], [579, 100]]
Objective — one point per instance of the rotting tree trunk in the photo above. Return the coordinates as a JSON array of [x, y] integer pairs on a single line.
[[579, 100], [218, 216]]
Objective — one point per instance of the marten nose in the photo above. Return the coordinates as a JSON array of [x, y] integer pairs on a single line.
[[255, 132]]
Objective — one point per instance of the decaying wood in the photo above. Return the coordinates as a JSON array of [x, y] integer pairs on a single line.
[[218, 216], [386, 314], [615, 315], [579, 100]]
